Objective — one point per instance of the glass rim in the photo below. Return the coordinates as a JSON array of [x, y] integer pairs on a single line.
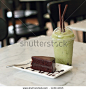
[[65, 39]]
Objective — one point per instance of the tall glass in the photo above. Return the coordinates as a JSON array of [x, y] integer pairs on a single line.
[[63, 45]]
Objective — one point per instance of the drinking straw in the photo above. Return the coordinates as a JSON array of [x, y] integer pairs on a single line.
[[60, 16], [63, 17]]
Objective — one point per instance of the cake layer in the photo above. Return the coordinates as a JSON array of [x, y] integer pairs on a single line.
[[43, 60], [42, 68]]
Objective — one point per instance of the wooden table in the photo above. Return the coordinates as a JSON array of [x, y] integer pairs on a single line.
[[80, 26], [22, 51]]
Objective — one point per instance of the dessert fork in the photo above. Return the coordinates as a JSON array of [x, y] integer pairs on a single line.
[[17, 64]]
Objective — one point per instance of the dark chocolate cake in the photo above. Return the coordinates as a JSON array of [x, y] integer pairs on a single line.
[[43, 63]]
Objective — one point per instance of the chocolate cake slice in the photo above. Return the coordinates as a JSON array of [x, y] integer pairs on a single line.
[[43, 63]]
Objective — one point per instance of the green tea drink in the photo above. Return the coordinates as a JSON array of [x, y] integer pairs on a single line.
[[63, 46]]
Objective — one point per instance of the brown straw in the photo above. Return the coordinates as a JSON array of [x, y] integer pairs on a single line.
[[63, 17], [60, 16], [63, 24]]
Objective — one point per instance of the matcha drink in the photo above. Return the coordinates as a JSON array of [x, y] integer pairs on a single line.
[[63, 46]]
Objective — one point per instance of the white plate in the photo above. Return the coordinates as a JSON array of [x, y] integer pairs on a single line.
[[59, 68]]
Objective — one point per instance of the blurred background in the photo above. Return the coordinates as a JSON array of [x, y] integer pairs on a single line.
[[29, 18]]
